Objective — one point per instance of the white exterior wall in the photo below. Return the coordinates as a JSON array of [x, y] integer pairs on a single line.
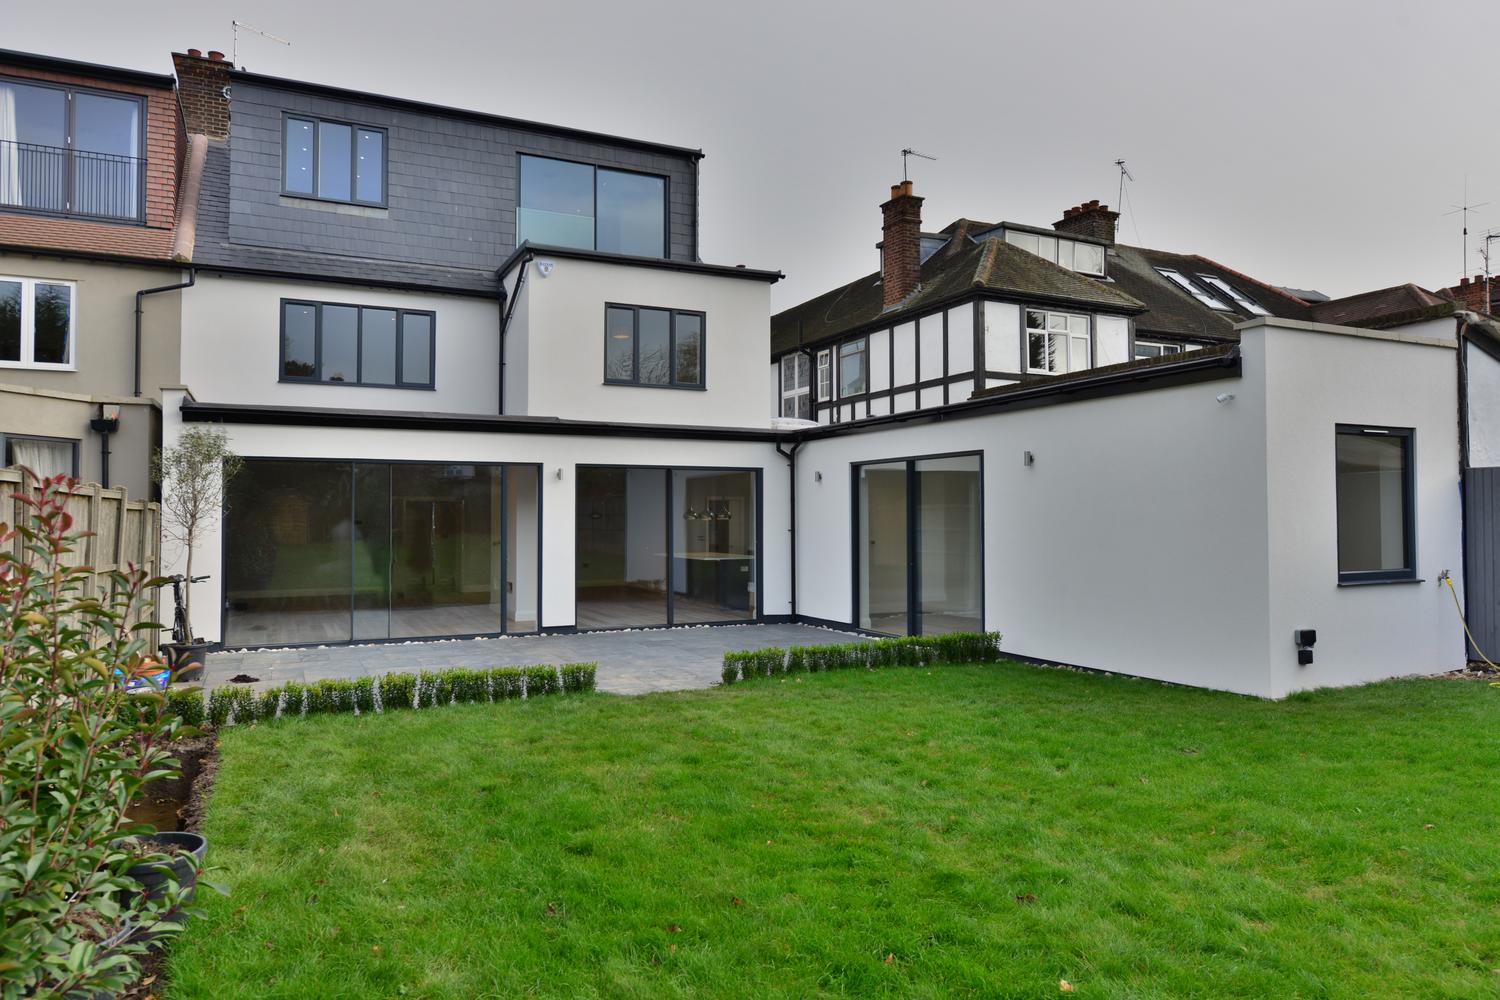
[[1316, 379], [231, 347], [552, 452], [563, 328], [1106, 553]]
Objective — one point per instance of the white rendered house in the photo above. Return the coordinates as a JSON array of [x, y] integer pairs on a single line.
[[484, 386]]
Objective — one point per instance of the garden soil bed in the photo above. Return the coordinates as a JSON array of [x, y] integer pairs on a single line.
[[175, 804]]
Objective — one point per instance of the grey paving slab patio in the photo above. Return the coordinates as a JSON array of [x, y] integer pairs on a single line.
[[633, 661]]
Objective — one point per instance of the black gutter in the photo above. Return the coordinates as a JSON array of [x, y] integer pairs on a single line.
[[282, 274], [791, 461], [528, 248], [192, 280], [423, 107], [54, 253], [304, 416], [505, 315]]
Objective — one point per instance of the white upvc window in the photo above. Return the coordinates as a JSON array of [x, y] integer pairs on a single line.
[[1196, 291], [38, 320], [795, 386], [1240, 299], [1075, 255], [1056, 342], [825, 375]]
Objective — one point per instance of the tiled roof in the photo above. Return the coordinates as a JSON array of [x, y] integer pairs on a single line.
[[1384, 307], [961, 268], [1174, 313]]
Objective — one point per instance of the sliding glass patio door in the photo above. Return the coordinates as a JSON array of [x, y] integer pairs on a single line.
[[919, 545], [318, 551]]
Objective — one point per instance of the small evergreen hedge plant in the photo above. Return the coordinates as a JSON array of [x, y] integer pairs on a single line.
[[901, 651], [228, 706]]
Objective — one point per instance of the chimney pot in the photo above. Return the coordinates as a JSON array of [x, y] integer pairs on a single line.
[[195, 53], [215, 55], [1463, 282]]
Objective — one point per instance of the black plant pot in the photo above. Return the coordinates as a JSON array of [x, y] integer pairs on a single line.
[[186, 659], [154, 882]]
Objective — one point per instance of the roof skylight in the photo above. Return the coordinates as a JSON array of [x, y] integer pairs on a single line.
[[1201, 294]]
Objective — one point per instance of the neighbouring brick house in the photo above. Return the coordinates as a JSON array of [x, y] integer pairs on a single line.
[[92, 167], [1472, 293]]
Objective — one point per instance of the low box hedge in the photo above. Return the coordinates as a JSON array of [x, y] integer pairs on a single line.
[[900, 651], [233, 705]]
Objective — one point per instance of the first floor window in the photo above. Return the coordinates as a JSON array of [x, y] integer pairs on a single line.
[[654, 347], [1375, 497], [1056, 343], [42, 455], [795, 375], [854, 368], [334, 161], [36, 323], [356, 345], [825, 375]]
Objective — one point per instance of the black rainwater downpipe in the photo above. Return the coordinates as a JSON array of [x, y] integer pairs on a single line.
[[189, 283], [505, 315], [791, 458], [105, 424]]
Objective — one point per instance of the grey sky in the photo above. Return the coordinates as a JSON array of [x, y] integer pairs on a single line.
[[1308, 143]]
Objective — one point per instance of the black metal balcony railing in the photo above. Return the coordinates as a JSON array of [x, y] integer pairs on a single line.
[[71, 181]]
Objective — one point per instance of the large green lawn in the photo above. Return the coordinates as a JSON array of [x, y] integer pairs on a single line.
[[959, 831]]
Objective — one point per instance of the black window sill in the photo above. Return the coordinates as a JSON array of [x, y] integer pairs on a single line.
[[652, 385], [355, 385], [1379, 583]]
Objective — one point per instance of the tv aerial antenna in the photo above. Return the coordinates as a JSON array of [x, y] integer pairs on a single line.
[[1125, 175], [1465, 208], [909, 152], [235, 26]]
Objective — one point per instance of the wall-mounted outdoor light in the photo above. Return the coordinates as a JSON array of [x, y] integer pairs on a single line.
[[818, 476], [1028, 459], [559, 473]]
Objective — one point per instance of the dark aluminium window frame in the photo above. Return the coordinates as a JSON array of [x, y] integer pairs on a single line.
[[670, 512], [666, 195], [1408, 573], [635, 348], [541, 583], [355, 127], [6, 438], [913, 551], [317, 377], [139, 219]]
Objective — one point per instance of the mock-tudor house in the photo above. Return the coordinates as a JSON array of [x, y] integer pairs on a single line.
[[93, 165]]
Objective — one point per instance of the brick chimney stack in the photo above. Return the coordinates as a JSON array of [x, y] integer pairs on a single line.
[[1089, 219], [901, 260], [203, 91], [1470, 294]]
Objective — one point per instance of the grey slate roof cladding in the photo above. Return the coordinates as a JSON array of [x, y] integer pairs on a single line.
[[452, 180], [960, 270], [214, 250]]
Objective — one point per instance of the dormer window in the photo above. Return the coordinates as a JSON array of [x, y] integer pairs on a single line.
[[1253, 308], [1075, 255], [333, 161], [1187, 285], [71, 151]]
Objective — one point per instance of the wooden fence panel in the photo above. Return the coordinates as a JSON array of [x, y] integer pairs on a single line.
[[118, 532]]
